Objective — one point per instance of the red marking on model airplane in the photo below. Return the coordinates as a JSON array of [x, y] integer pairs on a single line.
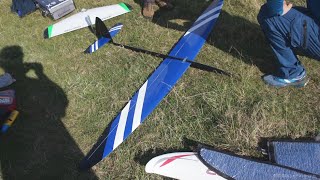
[[174, 158], [211, 172]]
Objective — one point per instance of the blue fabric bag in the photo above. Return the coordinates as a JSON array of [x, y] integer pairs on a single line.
[[23, 7], [303, 155], [231, 166]]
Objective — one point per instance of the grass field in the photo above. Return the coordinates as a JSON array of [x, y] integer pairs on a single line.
[[67, 99]]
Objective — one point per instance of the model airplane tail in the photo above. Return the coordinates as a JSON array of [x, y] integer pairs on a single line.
[[103, 32], [104, 35], [101, 29]]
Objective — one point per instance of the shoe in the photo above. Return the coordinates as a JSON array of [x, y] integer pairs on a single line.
[[164, 4], [299, 81], [148, 10]]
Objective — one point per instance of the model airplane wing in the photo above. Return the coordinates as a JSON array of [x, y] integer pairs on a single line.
[[157, 86], [181, 165], [84, 19]]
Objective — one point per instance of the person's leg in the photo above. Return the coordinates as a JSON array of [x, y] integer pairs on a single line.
[[309, 41], [294, 30], [277, 32], [148, 10]]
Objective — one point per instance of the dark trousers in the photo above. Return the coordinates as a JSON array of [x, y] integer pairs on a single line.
[[148, 1], [293, 31]]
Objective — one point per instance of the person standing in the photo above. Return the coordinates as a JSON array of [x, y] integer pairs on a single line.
[[288, 29]]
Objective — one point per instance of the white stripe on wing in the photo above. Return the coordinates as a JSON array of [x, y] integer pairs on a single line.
[[117, 27], [96, 45], [139, 105], [114, 29], [92, 48], [121, 126], [209, 12], [202, 23]]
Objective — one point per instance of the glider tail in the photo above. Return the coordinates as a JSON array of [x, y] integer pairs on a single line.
[[102, 30], [104, 35]]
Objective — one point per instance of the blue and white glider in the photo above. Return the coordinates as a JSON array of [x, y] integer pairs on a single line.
[[157, 86], [104, 39]]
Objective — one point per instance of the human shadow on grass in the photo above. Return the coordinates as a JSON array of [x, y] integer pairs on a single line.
[[38, 146], [232, 34]]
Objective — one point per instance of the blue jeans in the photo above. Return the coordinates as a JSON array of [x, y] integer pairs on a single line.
[[293, 31]]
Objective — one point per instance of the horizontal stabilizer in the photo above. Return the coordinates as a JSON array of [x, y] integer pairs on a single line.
[[236, 167], [104, 39]]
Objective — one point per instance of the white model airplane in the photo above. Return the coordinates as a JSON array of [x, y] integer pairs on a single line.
[[86, 18]]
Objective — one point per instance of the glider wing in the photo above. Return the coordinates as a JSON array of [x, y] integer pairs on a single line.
[[84, 19], [181, 165], [157, 86]]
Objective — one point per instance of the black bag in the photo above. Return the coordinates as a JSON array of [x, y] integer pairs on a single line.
[[23, 7]]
